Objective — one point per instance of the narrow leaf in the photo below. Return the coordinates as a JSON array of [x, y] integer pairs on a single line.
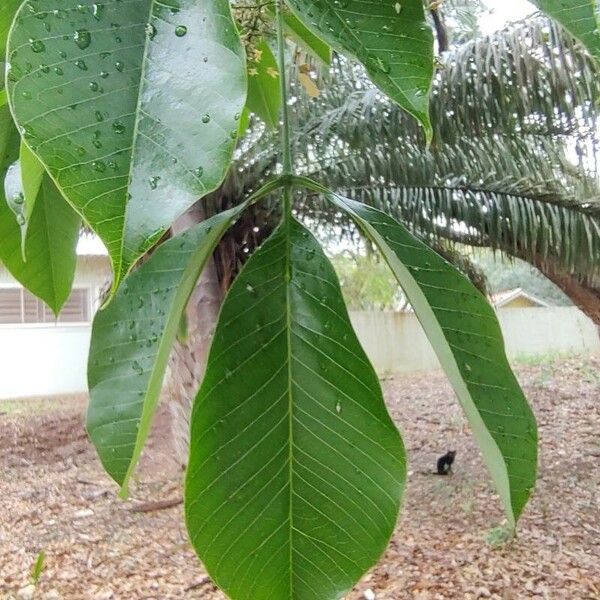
[[296, 469], [32, 176], [131, 342], [391, 39], [465, 334], [133, 108], [579, 18], [264, 98]]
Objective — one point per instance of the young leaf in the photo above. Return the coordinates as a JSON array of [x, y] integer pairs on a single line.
[[296, 469], [133, 108], [464, 332], [131, 342], [264, 98], [391, 39], [579, 18]]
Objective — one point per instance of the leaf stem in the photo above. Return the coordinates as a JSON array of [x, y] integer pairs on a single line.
[[286, 148]]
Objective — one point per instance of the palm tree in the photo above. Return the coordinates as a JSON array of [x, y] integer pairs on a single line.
[[512, 167]]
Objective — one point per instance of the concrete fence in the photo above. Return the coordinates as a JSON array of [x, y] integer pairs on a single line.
[[51, 359], [395, 341]]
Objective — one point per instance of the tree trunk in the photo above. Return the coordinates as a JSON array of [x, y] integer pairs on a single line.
[[586, 296], [188, 358]]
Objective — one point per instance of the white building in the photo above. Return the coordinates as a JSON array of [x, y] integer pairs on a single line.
[[40, 355]]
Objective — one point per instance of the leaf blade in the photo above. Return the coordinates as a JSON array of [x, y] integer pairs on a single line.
[[392, 40], [264, 98], [455, 317], [275, 422], [141, 103]]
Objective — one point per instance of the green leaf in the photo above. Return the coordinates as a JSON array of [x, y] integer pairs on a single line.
[[133, 108], [32, 176], [296, 469], [264, 98], [464, 332], [391, 39], [296, 30], [8, 8], [578, 17], [132, 338], [50, 246], [131, 342]]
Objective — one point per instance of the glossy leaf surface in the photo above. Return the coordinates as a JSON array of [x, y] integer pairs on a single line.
[[465, 334], [578, 17], [128, 107], [296, 469], [131, 342], [391, 39], [264, 98]]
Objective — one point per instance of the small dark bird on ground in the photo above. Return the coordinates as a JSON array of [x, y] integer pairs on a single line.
[[444, 463]]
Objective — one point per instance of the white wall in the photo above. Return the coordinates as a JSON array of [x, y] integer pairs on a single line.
[[51, 359], [43, 360], [395, 342]]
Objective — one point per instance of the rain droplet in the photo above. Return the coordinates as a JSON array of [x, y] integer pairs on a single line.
[[37, 46], [180, 30], [154, 182], [206, 118], [118, 127], [83, 38]]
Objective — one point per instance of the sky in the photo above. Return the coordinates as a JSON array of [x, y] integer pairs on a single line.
[[503, 12]]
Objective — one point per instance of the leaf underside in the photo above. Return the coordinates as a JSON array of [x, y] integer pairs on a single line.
[[296, 469], [464, 331], [391, 39], [127, 106]]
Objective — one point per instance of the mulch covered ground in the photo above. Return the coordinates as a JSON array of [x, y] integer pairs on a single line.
[[54, 497]]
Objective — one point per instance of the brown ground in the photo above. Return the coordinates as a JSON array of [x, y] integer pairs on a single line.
[[54, 497]]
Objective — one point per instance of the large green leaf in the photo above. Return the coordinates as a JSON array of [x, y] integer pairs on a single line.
[[296, 469], [464, 332], [264, 96], [132, 338], [132, 106], [392, 40], [578, 17], [50, 243]]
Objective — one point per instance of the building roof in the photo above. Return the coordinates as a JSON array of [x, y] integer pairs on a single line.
[[506, 297]]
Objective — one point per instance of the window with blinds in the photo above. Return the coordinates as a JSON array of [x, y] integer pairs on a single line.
[[17, 305]]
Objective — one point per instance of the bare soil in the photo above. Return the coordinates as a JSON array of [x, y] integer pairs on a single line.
[[54, 497]]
